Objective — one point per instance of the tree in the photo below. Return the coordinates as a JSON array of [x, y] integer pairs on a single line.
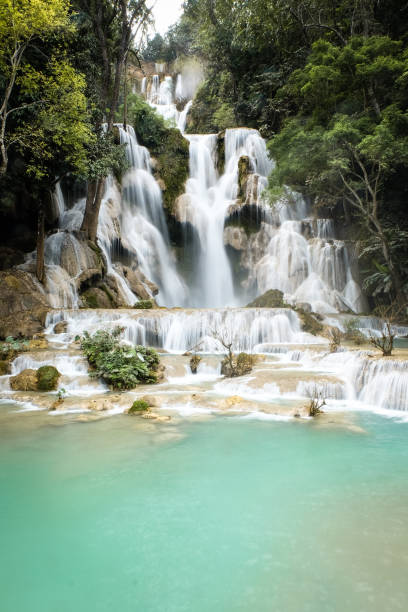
[[22, 23], [117, 24], [341, 146]]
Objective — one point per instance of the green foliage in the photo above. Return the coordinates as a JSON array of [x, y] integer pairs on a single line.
[[120, 366], [11, 346], [144, 304], [165, 143], [139, 406], [47, 377]]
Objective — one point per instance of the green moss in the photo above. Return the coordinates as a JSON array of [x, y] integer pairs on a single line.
[[138, 406], [173, 166], [144, 304], [271, 299], [47, 377], [309, 323], [108, 293], [90, 299]]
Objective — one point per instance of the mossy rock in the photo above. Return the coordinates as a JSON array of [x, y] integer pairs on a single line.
[[4, 367], [271, 299], [138, 407], [96, 297], [27, 380], [47, 377], [144, 304], [309, 323]]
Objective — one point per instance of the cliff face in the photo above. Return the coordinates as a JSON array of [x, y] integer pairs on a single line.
[[23, 304]]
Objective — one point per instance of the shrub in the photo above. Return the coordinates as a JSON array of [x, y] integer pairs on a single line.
[[144, 304], [121, 367], [47, 377], [352, 332], [10, 347], [139, 406]]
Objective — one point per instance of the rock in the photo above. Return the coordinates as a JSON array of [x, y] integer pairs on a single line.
[[194, 363], [47, 377], [244, 169], [161, 184], [37, 343], [96, 298], [236, 238], [4, 367], [25, 381], [61, 327], [23, 304], [98, 405], [10, 257], [305, 306], [160, 373], [151, 400], [57, 404], [271, 299]]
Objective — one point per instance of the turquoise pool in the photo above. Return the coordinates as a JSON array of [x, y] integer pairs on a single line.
[[223, 515]]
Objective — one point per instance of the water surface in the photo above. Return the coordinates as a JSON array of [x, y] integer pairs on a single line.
[[229, 514]]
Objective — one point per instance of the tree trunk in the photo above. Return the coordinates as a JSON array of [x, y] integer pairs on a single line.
[[394, 272], [93, 204], [40, 243]]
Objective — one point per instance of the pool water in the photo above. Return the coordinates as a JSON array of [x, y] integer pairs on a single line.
[[228, 514]]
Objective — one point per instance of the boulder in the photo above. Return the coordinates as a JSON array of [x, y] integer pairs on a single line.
[[23, 304], [235, 237], [25, 381], [151, 400], [47, 378], [4, 367], [271, 299], [96, 298], [61, 327]]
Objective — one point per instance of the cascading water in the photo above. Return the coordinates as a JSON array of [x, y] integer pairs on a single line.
[[286, 249], [143, 224]]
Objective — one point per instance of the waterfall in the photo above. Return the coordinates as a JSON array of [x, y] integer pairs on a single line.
[[143, 224]]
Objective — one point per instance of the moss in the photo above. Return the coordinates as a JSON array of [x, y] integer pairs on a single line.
[[144, 304], [309, 323], [47, 377], [90, 299], [4, 367], [271, 299], [108, 293], [173, 166], [138, 406]]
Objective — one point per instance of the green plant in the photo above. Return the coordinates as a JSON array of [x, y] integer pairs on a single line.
[[11, 346], [120, 366], [61, 394], [139, 406]]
